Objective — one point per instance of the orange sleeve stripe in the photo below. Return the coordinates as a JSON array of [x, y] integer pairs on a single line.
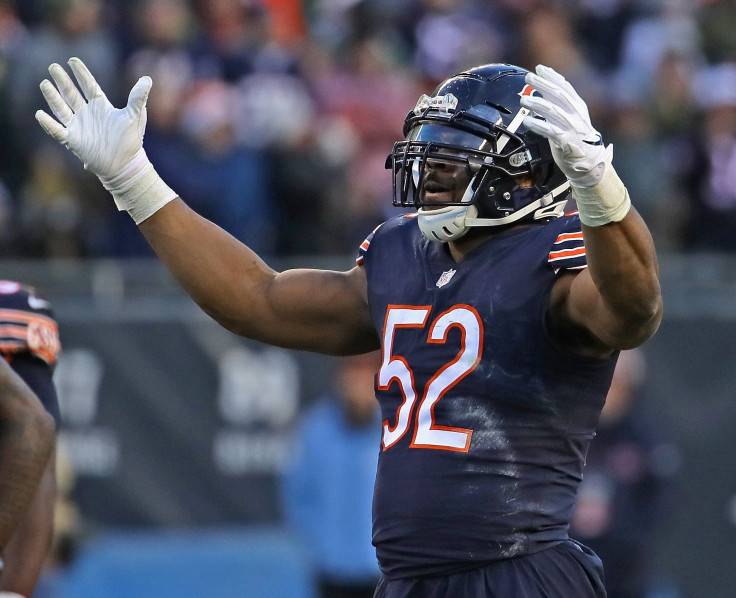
[[24, 331], [11, 346], [17, 316], [19, 332], [569, 237], [566, 253]]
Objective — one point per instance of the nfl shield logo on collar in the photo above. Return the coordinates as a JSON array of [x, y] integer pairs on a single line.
[[445, 278]]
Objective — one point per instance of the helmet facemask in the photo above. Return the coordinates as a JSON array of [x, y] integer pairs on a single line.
[[476, 166]]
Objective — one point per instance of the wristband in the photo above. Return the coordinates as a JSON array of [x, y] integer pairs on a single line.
[[139, 189], [607, 201], [10, 595]]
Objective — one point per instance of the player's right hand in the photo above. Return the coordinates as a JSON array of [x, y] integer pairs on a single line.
[[577, 147], [104, 138], [108, 141]]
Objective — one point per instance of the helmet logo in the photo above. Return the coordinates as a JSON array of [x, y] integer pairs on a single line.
[[445, 278], [443, 103], [520, 158], [527, 91]]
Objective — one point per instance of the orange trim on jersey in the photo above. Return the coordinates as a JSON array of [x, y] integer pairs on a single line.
[[20, 316], [14, 331], [387, 352], [467, 432], [13, 346], [566, 253], [38, 333], [569, 237]]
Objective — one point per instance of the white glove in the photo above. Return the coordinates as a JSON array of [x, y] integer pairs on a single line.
[[107, 140], [577, 148]]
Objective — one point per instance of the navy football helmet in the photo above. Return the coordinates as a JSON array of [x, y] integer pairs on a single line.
[[468, 160]]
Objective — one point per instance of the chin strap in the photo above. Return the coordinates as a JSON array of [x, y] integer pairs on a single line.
[[547, 206], [452, 222]]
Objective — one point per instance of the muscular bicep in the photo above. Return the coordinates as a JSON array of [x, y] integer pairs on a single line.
[[317, 310], [573, 320]]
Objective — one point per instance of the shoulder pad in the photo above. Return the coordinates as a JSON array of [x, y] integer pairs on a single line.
[[27, 323]]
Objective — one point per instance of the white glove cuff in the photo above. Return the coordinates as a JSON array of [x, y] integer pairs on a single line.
[[10, 595], [608, 201], [139, 189]]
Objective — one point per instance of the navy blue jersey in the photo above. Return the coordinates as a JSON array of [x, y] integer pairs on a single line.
[[486, 420], [29, 340]]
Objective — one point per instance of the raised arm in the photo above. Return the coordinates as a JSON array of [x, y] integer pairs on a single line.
[[317, 310], [616, 302]]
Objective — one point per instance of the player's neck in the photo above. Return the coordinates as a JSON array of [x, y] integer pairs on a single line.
[[462, 247]]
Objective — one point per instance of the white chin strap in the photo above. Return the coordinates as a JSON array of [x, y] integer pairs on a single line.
[[452, 222], [445, 224]]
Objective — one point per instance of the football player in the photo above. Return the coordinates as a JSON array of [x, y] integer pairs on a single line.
[[29, 343], [499, 317]]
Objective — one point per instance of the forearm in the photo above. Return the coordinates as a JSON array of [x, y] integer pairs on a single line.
[[221, 274], [626, 305]]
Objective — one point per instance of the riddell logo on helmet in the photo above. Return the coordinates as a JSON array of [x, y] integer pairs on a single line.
[[520, 158]]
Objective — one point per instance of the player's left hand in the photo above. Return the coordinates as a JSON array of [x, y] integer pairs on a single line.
[[577, 147]]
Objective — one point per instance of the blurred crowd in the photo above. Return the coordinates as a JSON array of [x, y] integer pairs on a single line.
[[273, 118]]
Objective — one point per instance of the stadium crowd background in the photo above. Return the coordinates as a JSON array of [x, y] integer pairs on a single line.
[[274, 117]]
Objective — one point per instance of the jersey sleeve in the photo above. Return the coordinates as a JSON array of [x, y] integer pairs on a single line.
[[27, 324], [568, 248], [364, 246]]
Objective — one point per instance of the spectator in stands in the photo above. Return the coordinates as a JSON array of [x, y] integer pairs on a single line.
[[632, 129], [68, 26], [61, 208], [327, 487], [193, 122], [712, 176], [264, 119]]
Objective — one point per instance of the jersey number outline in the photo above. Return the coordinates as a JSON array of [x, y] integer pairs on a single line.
[[394, 368]]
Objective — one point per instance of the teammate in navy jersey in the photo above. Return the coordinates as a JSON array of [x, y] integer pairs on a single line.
[[29, 342], [498, 317], [29, 345]]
